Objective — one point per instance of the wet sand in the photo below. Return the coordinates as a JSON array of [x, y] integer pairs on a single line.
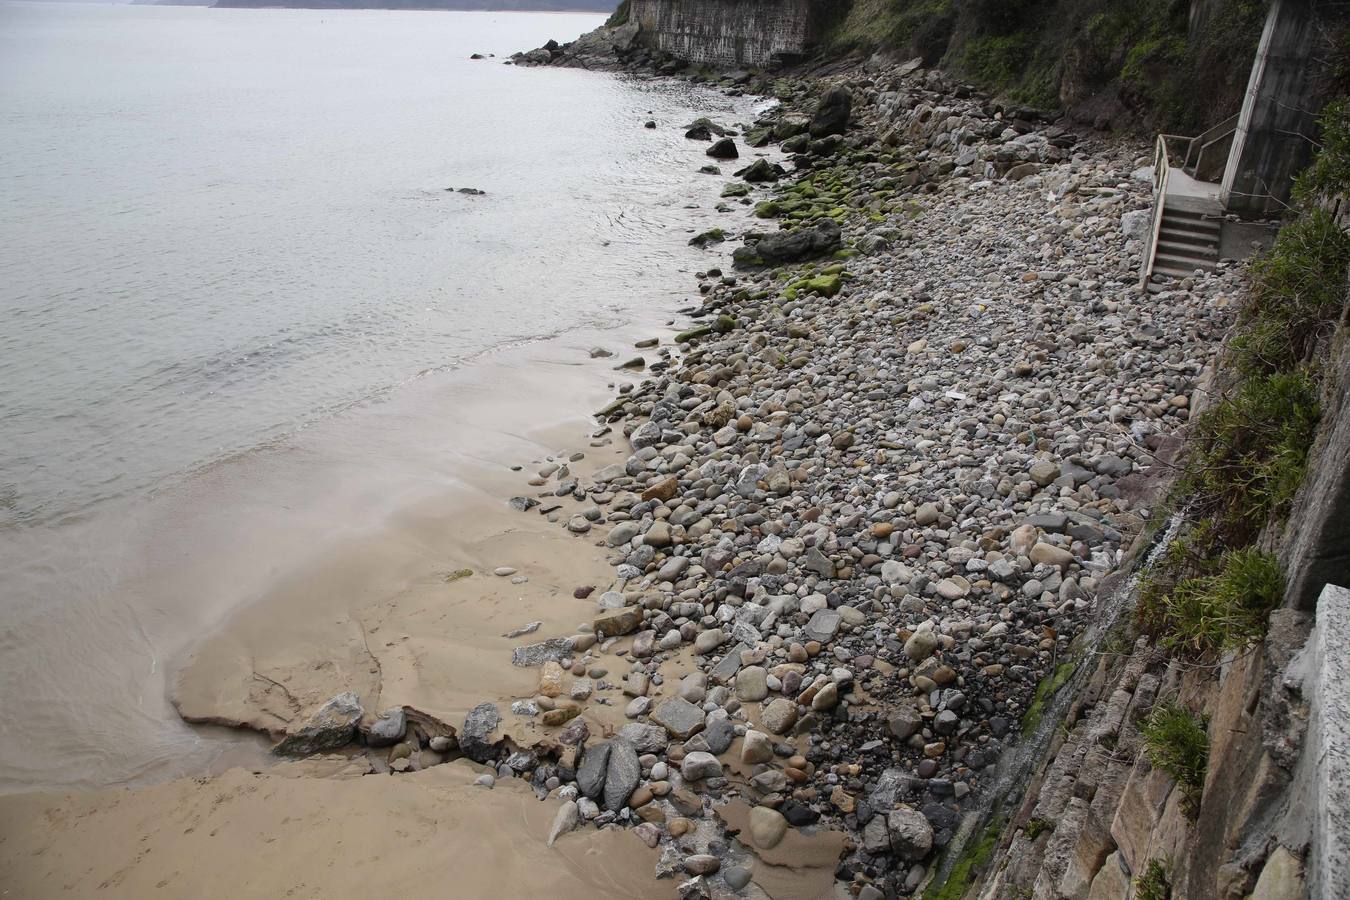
[[284, 835], [379, 504]]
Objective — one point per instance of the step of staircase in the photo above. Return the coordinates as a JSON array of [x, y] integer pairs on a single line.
[[1187, 240]]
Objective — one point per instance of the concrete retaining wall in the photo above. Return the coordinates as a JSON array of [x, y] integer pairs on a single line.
[[727, 32]]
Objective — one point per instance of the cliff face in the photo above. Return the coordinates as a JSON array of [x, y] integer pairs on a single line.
[[1160, 63], [1168, 64], [729, 32]]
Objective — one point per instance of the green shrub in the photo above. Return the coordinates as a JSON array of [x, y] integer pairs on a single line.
[[1178, 745], [1247, 454], [1330, 173], [1298, 293], [1153, 883], [1211, 613]]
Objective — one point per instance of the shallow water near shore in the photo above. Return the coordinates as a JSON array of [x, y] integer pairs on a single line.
[[245, 323]]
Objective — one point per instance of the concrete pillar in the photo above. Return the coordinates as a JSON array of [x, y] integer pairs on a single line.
[[1279, 114]]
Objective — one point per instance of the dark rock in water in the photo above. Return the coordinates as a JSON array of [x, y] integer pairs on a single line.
[[723, 149], [651, 123], [388, 728], [791, 246], [333, 726], [712, 236], [762, 170], [473, 192], [591, 772], [831, 116], [474, 739], [703, 123], [477, 56], [621, 776], [758, 137], [699, 133]]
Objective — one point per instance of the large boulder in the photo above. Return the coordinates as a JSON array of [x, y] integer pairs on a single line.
[[333, 726], [832, 112], [762, 170], [723, 149], [791, 246]]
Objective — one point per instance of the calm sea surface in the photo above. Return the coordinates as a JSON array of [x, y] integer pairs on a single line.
[[223, 229]]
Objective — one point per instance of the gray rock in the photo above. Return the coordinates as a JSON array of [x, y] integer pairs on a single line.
[[1136, 225], [779, 716], [591, 772], [718, 731], [697, 766], [790, 246], [331, 727], [475, 737], [388, 728], [767, 827], [832, 112], [904, 722], [737, 877], [823, 626], [756, 748], [679, 717], [819, 563], [644, 738], [553, 649], [910, 834], [752, 684], [622, 775]]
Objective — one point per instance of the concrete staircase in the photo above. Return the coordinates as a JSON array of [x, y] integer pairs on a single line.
[[1188, 239]]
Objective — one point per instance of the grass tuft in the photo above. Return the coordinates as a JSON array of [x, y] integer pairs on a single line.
[[1153, 883], [1218, 612], [1297, 296], [1178, 744], [1247, 455]]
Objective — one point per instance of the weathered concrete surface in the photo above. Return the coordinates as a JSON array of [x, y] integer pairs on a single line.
[[727, 32], [1271, 143], [1317, 549]]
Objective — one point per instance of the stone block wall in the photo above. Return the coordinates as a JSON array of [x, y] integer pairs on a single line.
[[755, 33]]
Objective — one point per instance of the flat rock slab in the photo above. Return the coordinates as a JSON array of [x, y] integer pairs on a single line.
[[643, 738], [823, 626], [552, 649], [679, 717]]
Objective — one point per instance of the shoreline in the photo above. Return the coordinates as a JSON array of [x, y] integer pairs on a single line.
[[850, 534]]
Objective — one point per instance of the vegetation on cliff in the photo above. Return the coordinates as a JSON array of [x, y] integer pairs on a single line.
[[1170, 64]]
